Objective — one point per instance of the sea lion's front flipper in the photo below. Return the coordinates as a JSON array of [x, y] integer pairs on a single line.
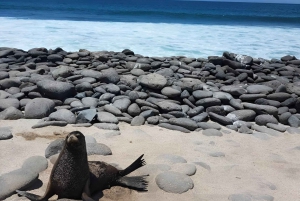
[[30, 196], [87, 193]]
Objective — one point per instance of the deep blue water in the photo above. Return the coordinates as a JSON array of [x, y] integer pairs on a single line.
[[155, 11]]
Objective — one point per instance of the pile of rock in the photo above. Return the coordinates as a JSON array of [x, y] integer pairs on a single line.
[[103, 88]]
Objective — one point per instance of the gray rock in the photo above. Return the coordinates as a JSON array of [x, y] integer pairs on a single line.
[[89, 102], [86, 116], [200, 94], [39, 108], [195, 111], [278, 127], [184, 168], [223, 96], [259, 89], [97, 149], [110, 75], [169, 159], [170, 92], [262, 109], [208, 102], [234, 90], [35, 164], [168, 106], [106, 117], [107, 126], [138, 121], [173, 127], [244, 129], [54, 147], [293, 130], [200, 117], [84, 86], [10, 82], [293, 121], [5, 133], [184, 122], [153, 81], [55, 89], [11, 113], [280, 96], [122, 104], [63, 115], [264, 129], [244, 115], [236, 104], [153, 120], [61, 71], [134, 110], [49, 123], [263, 119], [283, 118], [251, 97], [9, 102], [174, 182], [111, 88], [112, 134], [212, 132], [209, 125], [220, 119], [4, 94], [261, 136], [112, 109]]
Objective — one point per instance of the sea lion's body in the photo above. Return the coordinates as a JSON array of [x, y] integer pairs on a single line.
[[69, 177], [73, 177]]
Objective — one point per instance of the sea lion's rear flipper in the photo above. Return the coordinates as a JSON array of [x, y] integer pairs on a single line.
[[135, 165], [30, 196], [86, 193], [138, 183]]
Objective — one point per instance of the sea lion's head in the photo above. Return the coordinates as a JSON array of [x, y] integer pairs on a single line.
[[75, 140]]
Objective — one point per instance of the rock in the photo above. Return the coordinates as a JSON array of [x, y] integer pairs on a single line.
[[122, 104], [212, 132], [283, 118], [236, 104], [84, 86], [112, 109], [293, 121], [107, 126], [9, 102], [11, 113], [174, 182], [244, 129], [262, 109], [200, 94], [220, 119], [138, 121], [86, 116], [195, 111], [106, 117], [200, 117], [63, 115], [184, 168], [174, 127], [54, 147], [9, 82], [208, 102], [55, 89], [5, 133], [39, 108], [97, 149], [263, 119], [261, 136], [134, 110], [54, 58], [251, 97], [61, 71], [170, 92], [293, 130], [278, 127], [223, 96], [259, 89], [153, 81], [244, 115], [184, 122], [209, 125], [49, 123], [112, 134], [264, 129], [168, 106], [153, 120], [234, 90], [280, 96]]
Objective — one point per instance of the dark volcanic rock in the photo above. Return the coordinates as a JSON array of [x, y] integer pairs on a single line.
[[55, 89], [262, 109], [220, 119], [153, 81], [9, 102], [168, 106], [184, 122], [207, 102], [39, 108], [293, 121], [174, 127], [11, 113], [264, 119], [138, 121], [244, 115]]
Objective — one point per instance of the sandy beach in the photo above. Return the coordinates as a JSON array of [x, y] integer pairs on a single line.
[[259, 169]]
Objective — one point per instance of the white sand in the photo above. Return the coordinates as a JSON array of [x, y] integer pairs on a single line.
[[250, 166]]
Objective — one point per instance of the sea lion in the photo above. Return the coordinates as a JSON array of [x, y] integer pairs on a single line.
[[104, 176], [74, 177], [70, 175]]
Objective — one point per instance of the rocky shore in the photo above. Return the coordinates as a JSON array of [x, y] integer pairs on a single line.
[[179, 93]]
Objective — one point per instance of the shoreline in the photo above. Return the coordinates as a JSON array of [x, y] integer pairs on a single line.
[[222, 115]]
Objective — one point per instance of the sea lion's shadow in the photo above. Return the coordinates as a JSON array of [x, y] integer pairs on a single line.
[[37, 183], [98, 195]]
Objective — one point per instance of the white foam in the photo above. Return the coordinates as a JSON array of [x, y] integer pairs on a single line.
[[151, 39]]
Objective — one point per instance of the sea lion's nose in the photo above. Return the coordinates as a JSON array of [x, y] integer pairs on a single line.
[[72, 139]]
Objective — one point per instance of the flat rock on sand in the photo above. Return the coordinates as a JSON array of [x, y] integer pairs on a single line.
[[5, 133], [212, 132]]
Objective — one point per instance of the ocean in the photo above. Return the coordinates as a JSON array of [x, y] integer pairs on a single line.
[[153, 27]]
